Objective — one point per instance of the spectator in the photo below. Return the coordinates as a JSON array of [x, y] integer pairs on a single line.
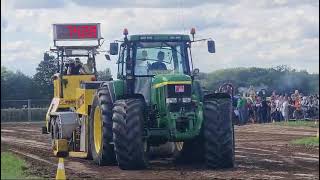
[[74, 67], [279, 108], [71, 67], [245, 109], [88, 68], [291, 107], [241, 107], [250, 105], [273, 112], [285, 109], [264, 110], [297, 114], [258, 109]]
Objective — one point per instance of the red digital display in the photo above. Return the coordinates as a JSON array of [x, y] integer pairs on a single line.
[[82, 32], [76, 31]]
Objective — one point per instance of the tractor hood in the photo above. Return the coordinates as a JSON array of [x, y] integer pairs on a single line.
[[165, 79]]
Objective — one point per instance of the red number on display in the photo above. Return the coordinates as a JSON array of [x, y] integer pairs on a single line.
[[82, 31]]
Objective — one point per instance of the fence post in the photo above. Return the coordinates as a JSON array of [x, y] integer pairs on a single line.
[[29, 109]]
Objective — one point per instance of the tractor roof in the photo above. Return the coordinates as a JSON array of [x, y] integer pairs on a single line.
[[159, 37]]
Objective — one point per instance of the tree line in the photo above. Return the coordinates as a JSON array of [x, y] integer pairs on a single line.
[[283, 79]]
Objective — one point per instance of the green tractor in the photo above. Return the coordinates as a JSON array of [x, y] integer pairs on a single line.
[[155, 100]]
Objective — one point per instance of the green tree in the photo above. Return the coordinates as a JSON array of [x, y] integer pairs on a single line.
[[5, 74], [16, 85], [42, 78], [281, 78]]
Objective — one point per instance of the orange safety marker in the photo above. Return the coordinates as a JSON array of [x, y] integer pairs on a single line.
[[61, 174]]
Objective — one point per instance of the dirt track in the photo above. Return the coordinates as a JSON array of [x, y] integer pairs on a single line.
[[262, 152]]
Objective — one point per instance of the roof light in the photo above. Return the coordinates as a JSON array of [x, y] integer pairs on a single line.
[[125, 31], [193, 31]]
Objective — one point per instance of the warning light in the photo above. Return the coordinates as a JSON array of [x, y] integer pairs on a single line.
[[193, 31], [125, 31]]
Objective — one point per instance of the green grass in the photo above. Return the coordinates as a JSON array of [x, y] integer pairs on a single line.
[[298, 123], [12, 167], [308, 141]]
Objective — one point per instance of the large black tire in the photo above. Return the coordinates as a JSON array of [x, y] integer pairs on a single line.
[[128, 119], [105, 155], [218, 133]]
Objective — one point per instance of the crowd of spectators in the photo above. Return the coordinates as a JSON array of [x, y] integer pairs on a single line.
[[255, 107]]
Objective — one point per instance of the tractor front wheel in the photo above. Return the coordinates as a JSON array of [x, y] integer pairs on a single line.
[[130, 148], [100, 129]]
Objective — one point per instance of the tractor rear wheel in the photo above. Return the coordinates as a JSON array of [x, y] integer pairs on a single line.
[[218, 133], [100, 129], [130, 148]]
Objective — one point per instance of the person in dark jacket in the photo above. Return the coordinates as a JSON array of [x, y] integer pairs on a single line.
[[264, 107], [74, 67], [159, 65]]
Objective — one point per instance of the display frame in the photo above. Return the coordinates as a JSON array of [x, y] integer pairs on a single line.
[[81, 28]]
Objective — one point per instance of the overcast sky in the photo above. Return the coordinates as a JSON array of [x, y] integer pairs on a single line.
[[261, 33]]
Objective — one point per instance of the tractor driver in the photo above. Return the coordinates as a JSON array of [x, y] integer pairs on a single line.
[[74, 67], [159, 65]]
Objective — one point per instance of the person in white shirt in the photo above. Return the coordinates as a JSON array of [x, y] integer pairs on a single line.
[[87, 68], [285, 109]]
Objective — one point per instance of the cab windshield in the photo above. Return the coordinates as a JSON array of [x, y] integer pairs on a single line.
[[153, 58]]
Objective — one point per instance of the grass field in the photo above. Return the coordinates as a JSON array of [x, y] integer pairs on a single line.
[[299, 123], [12, 167], [308, 141]]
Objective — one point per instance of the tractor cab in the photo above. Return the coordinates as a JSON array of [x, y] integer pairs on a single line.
[[150, 61]]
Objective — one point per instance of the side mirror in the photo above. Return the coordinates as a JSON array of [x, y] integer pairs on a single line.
[[211, 46], [195, 72], [107, 57], [114, 48]]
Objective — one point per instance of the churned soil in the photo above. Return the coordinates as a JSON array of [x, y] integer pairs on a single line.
[[262, 151]]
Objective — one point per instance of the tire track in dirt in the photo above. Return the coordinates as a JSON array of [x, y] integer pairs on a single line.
[[262, 151]]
